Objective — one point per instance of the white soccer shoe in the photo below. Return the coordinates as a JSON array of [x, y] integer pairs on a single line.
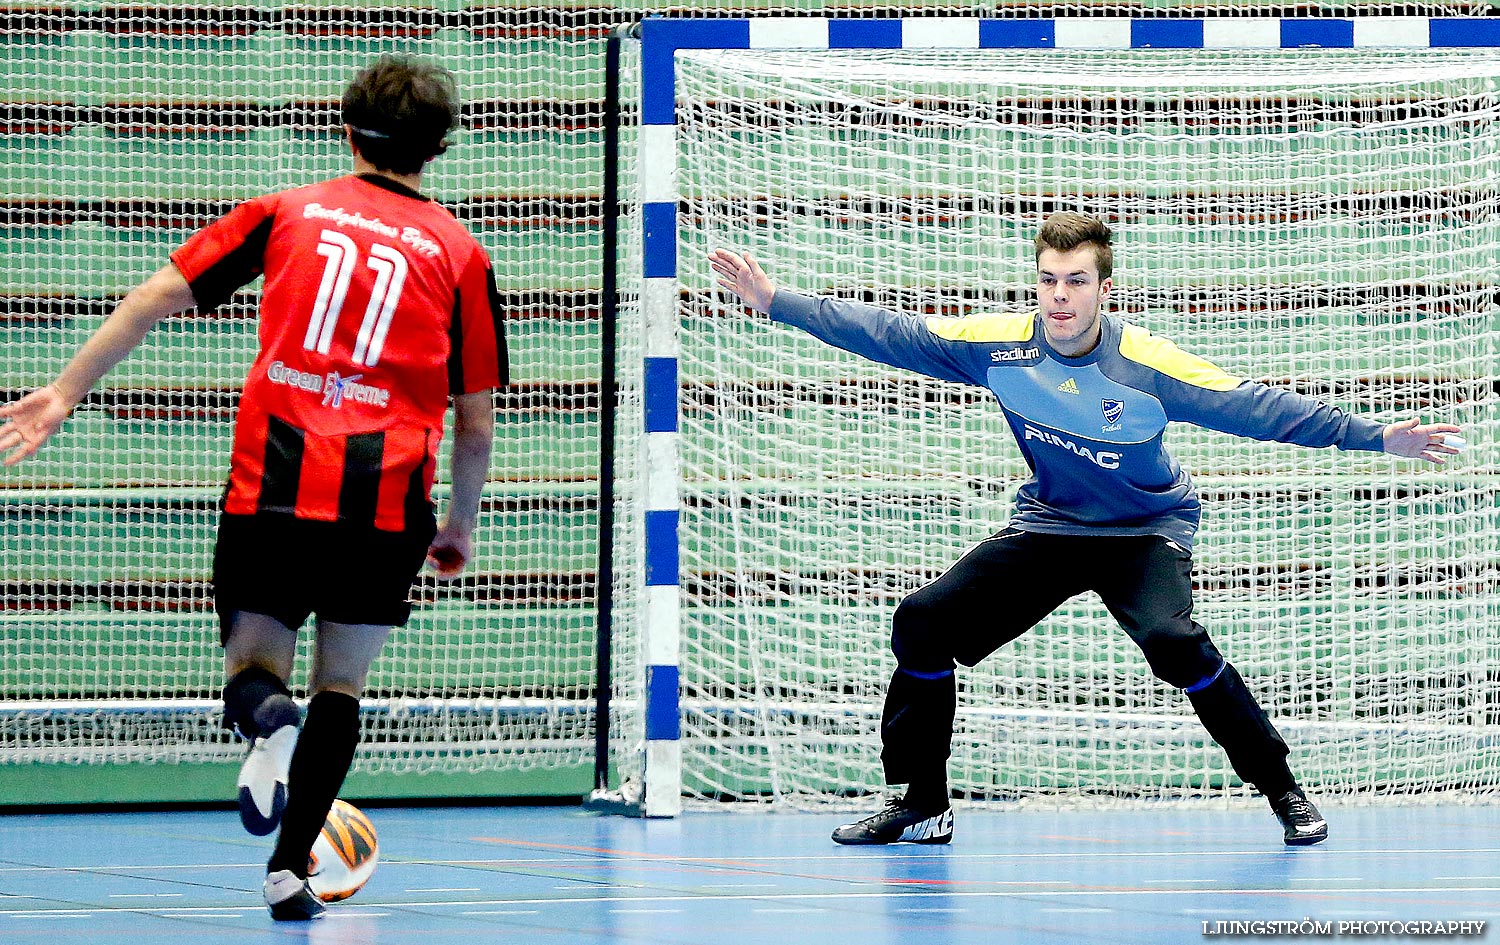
[[263, 778], [290, 899]]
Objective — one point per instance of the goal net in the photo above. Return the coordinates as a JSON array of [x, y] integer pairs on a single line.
[[123, 131], [1325, 221]]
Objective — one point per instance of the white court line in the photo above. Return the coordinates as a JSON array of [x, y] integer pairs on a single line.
[[719, 861], [808, 897], [1327, 879], [657, 858], [917, 910], [213, 915], [585, 884], [1465, 878], [141, 866], [340, 914], [1150, 882], [740, 885], [786, 911], [634, 855], [56, 915]]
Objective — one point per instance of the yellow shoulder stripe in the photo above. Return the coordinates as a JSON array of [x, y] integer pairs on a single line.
[[1142, 347], [981, 328]]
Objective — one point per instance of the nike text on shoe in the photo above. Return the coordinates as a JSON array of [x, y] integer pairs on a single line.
[[898, 824], [1300, 820], [289, 898], [263, 780]]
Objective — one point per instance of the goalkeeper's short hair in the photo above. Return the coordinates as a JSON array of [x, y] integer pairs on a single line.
[[1065, 231], [401, 112]]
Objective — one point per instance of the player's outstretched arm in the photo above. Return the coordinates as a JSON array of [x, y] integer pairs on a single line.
[[742, 275], [473, 434], [31, 421], [1430, 441]]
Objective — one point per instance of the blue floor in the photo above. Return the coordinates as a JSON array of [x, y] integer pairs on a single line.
[[541, 876]]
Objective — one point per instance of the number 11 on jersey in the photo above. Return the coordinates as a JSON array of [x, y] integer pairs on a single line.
[[390, 268]]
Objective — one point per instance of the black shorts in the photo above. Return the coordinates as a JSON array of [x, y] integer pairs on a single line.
[[1008, 583], [288, 568]]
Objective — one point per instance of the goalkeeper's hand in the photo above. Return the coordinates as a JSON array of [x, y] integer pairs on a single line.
[[1429, 441], [743, 276]]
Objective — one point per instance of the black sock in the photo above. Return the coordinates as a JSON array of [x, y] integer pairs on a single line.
[[927, 796], [324, 751], [252, 690]]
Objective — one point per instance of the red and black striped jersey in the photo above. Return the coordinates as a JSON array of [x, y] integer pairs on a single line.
[[377, 306]]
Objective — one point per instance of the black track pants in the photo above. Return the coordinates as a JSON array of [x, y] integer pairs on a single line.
[[1009, 583]]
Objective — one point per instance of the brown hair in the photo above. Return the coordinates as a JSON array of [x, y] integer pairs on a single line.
[[1065, 231], [401, 111]]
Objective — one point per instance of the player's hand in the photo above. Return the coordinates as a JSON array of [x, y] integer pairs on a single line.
[[742, 275], [451, 549], [1430, 441], [30, 422]]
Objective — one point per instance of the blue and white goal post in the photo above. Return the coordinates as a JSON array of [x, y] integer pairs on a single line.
[[789, 623]]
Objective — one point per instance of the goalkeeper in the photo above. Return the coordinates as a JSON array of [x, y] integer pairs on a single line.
[[1106, 509]]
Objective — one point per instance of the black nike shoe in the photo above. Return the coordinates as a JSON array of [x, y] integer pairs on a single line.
[[1300, 820], [290, 899], [898, 823]]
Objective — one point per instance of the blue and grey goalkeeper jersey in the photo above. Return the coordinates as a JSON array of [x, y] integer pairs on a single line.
[[1090, 427]]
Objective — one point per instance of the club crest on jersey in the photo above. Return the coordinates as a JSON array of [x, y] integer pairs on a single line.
[[1113, 409]]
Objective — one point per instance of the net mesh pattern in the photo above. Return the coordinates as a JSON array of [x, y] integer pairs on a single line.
[[123, 128], [123, 132], [1322, 223]]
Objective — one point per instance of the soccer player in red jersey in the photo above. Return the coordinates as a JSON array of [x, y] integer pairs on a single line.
[[378, 308]]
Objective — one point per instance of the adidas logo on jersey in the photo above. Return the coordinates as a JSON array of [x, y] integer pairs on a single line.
[[1068, 386]]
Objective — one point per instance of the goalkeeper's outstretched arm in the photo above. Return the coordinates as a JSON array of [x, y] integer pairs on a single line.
[[900, 340], [1196, 391]]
